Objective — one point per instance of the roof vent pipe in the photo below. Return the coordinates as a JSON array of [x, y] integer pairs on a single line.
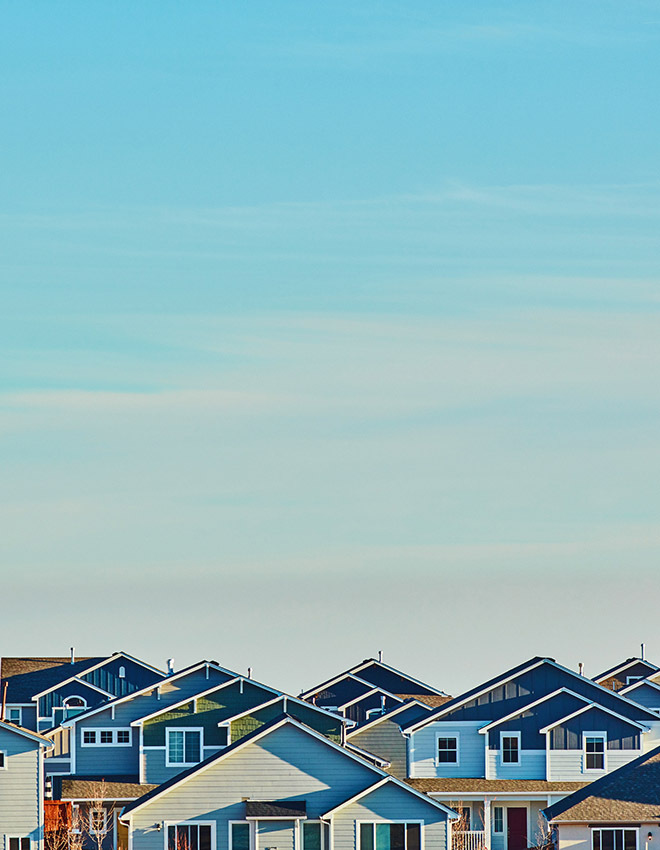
[[170, 666], [643, 651], [581, 669], [249, 672], [73, 655], [380, 655]]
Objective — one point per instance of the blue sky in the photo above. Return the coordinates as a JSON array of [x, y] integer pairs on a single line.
[[330, 328]]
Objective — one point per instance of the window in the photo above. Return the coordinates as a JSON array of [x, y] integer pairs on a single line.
[[106, 738], [614, 839], [75, 818], [463, 822], [18, 843], [73, 706], [239, 835], [98, 819], [315, 835], [498, 819], [184, 746], [390, 836], [510, 746], [373, 712], [594, 751], [122, 673], [223, 734], [3, 760], [448, 750], [189, 836], [15, 715]]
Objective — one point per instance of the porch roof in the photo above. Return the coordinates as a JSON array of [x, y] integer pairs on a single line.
[[477, 785]]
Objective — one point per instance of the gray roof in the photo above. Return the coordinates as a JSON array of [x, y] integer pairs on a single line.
[[476, 785], [275, 809], [631, 793]]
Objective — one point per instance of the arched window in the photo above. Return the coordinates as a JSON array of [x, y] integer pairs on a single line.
[[122, 673], [73, 705]]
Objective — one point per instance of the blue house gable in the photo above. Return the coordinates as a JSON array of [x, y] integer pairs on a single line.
[[288, 784]]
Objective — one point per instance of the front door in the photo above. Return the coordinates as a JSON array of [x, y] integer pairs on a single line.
[[516, 828]]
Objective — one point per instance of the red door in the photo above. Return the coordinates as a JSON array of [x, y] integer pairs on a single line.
[[516, 828]]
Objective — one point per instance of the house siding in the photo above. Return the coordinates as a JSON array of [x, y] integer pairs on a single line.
[[531, 766], [276, 767], [385, 740], [472, 758], [568, 765], [20, 803], [389, 803], [279, 834]]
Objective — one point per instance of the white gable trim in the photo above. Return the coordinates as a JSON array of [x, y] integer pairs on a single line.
[[485, 729], [388, 715], [78, 681], [631, 687], [27, 733], [451, 814], [371, 661], [624, 666], [597, 707], [475, 695], [146, 689], [370, 693], [246, 742]]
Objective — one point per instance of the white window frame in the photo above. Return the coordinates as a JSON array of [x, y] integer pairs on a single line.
[[602, 735], [253, 833], [19, 838], [211, 823], [358, 824], [4, 766], [17, 708], [225, 725], [300, 838], [183, 729], [370, 713], [94, 811], [97, 736], [498, 831], [634, 829], [121, 674], [75, 818], [439, 763], [504, 735]]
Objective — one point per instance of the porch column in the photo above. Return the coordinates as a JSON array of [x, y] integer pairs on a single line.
[[487, 827]]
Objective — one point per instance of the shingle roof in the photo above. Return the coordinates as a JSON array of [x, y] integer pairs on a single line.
[[26, 677], [631, 793], [89, 788], [490, 786], [275, 808], [432, 700]]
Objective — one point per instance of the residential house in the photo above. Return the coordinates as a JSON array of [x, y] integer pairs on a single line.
[[619, 811], [627, 673], [505, 750], [21, 787], [369, 689], [40, 693], [286, 786]]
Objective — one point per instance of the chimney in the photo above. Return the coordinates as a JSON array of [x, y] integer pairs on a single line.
[[170, 666], [643, 651], [581, 669], [73, 655], [380, 655]]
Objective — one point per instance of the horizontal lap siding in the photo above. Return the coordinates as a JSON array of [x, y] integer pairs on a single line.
[[287, 764], [472, 751], [19, 789], [531, 766], [568, 765], [389, 804], [107, 760], [386, 740], [279, 834]]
